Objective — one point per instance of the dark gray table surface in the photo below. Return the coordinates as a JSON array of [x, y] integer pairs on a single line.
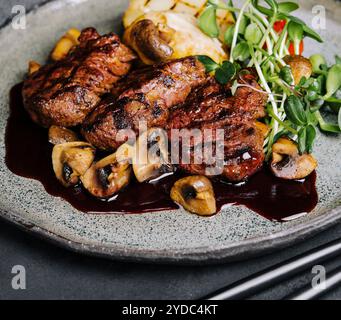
[[54, 273]]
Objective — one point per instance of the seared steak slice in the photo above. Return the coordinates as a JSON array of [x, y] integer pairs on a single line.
[[65, 92], [238, 152], [180, 95], [145, 95], [238, 159]]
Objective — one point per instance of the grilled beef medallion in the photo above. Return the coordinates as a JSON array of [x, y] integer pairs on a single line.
[[237, 152], [145, 95], [180, 95], [63, 93]]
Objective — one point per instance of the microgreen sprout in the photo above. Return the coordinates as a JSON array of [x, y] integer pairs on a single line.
[[264, 33]]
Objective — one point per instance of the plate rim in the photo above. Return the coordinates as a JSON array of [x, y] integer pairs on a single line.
[[195, 256], [198, 256]]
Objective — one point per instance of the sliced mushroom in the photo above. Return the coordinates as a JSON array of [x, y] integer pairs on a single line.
[[300, 67], [287, 163], [60, 135], [146, 39], [151, 157], [177, 25], [107, 177], [195, 194], [33, 67], [71, 160]]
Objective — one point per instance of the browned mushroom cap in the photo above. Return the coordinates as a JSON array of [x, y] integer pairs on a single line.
[[195, 194], [151, 157], [300, 67], [71, 160], [107, 177], [60, 135], [288, 164], [146, 39]]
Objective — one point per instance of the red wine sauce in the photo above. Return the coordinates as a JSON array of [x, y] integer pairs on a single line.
[[28, 154]]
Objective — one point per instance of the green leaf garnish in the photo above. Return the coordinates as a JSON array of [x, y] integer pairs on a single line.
[[295, 31], [225, 73], [243, 24], [253, 34], [317, 60], [311, 118], [310, 33], [310, 138], [333, 80], [291, 109], [228, 37], [295, 111], [306, 139], [312, 95], [209, 63], [307, 31], [208, 22], [327, 127], [286, 75], [287, 7], [241, 51], [302, 139]]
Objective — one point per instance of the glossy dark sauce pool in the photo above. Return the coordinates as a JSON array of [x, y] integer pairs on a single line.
[[28, 154]]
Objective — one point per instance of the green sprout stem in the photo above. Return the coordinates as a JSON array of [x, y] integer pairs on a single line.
[[236, 31], [265, 85]]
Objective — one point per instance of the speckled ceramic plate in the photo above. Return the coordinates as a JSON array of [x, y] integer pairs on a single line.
[[172, 237]]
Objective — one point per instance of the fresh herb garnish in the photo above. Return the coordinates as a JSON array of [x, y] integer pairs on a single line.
[[333, 80], [263, 34], [208, 21], [295, 111], [226, 72], [223, 72]]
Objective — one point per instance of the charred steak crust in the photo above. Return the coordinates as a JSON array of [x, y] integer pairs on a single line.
[[242, 141], [180, 95], [145, 95], [63, 93]]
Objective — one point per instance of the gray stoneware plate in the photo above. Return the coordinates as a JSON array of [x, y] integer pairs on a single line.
[[168, 237]]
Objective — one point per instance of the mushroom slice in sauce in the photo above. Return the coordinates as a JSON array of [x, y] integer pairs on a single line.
[[151, 156], [195, 194], [71, 160], [107, 177], [287, 163]]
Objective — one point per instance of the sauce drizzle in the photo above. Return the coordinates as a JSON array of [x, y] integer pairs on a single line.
[[28, 154]]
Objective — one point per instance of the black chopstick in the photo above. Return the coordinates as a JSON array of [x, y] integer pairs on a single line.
[[333, 280], [273, 275]]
